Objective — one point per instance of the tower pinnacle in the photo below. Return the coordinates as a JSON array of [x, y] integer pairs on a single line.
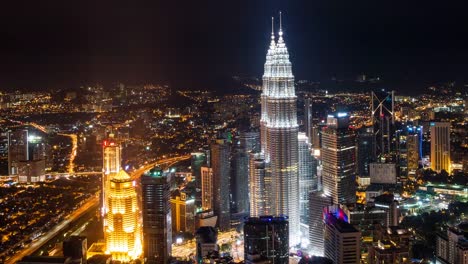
[[281, 24]]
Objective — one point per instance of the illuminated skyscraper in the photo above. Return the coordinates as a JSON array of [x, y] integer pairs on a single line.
[[338, 160], [221, 178], [122, 228], [279, 131], [197, 161], [111, 155], [157, 220], [259, 186], [111, 166], [206, 188], [308, 117], [17, 149], [440, 146], [307, 176]]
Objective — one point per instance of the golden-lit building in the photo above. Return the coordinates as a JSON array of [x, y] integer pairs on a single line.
[[111, 156], [183, 212], [122, 226], [207, 188], [440, 146]]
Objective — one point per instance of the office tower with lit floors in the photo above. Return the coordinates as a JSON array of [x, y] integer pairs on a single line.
[[440, 146], [157, 220], [123, 229], [338, 159], [279, 130], [206, 188]]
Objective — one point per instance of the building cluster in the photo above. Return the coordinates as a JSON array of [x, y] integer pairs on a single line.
[[348, 178]]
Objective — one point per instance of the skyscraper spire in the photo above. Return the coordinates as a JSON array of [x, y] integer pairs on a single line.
[[279, 135], [272, 42], [280, 33]]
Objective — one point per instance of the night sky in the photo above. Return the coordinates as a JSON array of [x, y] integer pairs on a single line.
[[53, 44]]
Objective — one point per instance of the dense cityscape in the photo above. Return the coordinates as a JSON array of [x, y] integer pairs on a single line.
[[276, 170]]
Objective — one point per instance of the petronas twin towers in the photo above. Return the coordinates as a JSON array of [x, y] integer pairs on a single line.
[[279, 133]]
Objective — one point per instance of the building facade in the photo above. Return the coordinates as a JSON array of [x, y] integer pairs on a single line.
[[220, 165], [307, 176], [122, 229], [440, 146], [266, 239], [279, 130], [341, 240], [157, 220], [338, 160]]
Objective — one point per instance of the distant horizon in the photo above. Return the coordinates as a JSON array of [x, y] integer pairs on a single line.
[[195, 43]]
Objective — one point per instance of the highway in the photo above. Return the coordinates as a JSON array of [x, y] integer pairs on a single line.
[[167, 162], [35, 245]]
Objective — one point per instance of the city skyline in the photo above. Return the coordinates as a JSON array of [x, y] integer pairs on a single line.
[[256, 170]]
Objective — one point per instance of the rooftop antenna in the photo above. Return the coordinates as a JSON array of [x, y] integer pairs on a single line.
[[281, 24], [272, 28]]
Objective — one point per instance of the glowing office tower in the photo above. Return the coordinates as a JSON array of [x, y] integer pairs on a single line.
[[123, 230], [259, 184], [338, 160], [111, 156], [440, 146], [279, 130], [307, 176]]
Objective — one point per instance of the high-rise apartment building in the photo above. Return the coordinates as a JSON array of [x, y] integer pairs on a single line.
[[220, 165], [279, 129], [122, 227], [440, 146], [338, 159], [157, 220]]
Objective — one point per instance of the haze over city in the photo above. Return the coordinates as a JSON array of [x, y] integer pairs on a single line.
[[286, 132]]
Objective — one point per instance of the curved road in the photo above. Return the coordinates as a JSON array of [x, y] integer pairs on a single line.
[[53, 232], [88, 205]]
